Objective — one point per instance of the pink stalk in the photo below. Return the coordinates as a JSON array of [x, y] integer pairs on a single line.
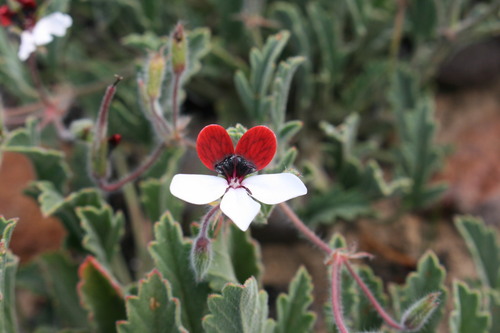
[[110, 187], [337, 261], [304, 229], [207, 218], [385, 316]]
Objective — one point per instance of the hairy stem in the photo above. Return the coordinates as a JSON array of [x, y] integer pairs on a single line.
[[152, 158], [207, 219], [385, 316], [337, 262], [308, 233]]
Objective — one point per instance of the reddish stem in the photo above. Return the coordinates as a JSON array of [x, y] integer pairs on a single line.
[[110, 187], [207, 218], [385, 316], [304, 229], [337, 262]]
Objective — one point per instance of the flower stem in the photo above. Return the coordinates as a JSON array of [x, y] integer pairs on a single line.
[[337, 261], [308, 233], [385, 316], [175, 103], [152, 158], [207, 218]]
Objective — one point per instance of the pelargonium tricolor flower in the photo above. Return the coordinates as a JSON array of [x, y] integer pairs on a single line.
[[35, 32], [237, 183]]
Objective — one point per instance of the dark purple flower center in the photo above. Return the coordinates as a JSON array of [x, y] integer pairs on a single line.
[[234, 168]]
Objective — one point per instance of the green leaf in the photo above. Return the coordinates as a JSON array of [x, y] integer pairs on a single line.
[[331, 51], [12, 69], [467, 315], [428, 278], [171, 256], [494, 309], [423, 17], [292, 308], [245, 92], [289, 129], [153, 310], [8, 268], [101, 295], [418, 155], [60, 279], [199, 46], [103, 231], [336, 203], [53, 204], [49, 164], [240, 309], [484, 247], [281, 88], [155, 193], [236, 257], [291, 18], [366, 317]]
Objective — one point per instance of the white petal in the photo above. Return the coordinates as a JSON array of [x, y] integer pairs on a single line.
[[27, 45], [54, 24], [275, 188], [198, 189], [239, 207]]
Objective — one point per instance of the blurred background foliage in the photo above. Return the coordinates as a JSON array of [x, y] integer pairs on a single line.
[[347, 85]]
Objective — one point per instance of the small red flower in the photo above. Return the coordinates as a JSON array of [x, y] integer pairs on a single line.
[[235, 166], [6, 16]]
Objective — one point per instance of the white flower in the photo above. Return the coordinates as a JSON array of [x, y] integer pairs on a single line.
[[236, 184], [238, 197], [43, 33]]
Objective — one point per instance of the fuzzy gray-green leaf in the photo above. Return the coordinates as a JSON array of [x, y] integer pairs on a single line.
[[170, 253], [153, 310], [8, 268], [428, 278], [484, 247], [103, 231], [236, 258], [293, 315], [240, 309], [467, 315]]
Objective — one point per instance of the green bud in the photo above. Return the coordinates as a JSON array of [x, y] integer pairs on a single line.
[[179, 49], [155, 74], [99, 158], [420, 312], [82, 129], [201, 256]]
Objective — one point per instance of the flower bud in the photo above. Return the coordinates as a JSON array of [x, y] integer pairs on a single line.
[[179, 49], [155, 74], [201, 256], [420, 312], [81, 129]]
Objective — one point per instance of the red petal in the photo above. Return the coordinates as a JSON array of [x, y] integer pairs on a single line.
[[213, 145], [257, 145]]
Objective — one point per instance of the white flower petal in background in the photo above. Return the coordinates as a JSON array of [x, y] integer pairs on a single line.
[[51, 25], [198, 189], [275, 188], [239, 207], [27, 45], [54, 24]]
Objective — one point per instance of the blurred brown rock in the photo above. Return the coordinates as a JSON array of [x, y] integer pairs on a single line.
[[470, 125], [34, 233]]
